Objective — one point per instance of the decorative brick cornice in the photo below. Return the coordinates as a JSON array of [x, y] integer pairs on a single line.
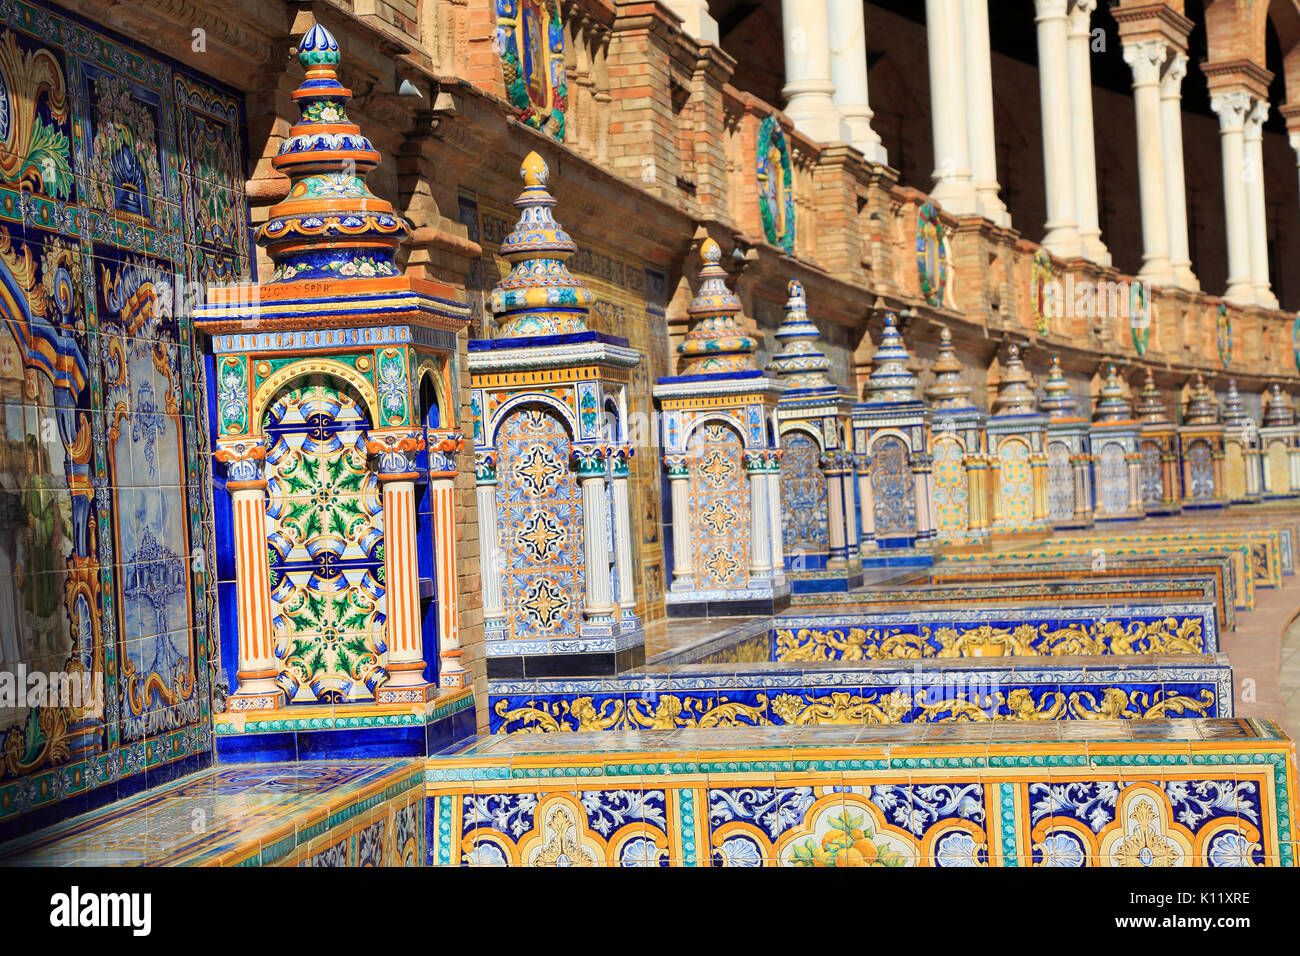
[[1224, 76], [1140, 21]]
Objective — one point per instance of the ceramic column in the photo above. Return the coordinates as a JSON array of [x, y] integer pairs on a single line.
[[774, 514], [1038, 473], [1171, 141], [485, 470], [679, 481], [1168, 471], [848, 49], [921, 465], [257, 671], [760, 551], [1135, 483], [835, 510], [1256, 211], [443, 449], [394, 451], [976, 468], [1293, 462], [1233, 108], [1082, 497], [1081, 130], [979, 110], [953, 187], [866, 503], [995, 487], [599, 602], [808, 85], [1062, 236], [1147, 59], [620, 456], [851, 508]]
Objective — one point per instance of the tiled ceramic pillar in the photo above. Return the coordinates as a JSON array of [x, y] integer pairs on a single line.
[[619, 458], [1135, 483], [760, 561], [395, 450], [866, 502], [442, 477], [774, 513], [922, 474], [835, 510], [976, 497], [595, 531], [485, 470], [257, 670], [679, 479], [1038, 471], [851, 506]]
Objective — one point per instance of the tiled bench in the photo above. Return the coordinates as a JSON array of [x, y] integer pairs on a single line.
[[328, 813], [1110, 793]]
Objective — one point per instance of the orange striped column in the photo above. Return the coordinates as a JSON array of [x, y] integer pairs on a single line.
[[258, 669], [442, 478], [404, 659]]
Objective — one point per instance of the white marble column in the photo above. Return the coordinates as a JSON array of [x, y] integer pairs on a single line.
[[1256, 211], [623, 533], [979, 110], [848, 47], [1062, 228], [774, 516], [1081, 131], [808, 85], [679, 482], [760, 549], [953, 185], [485, 468], [1233, 109], [1147, 60], [1171, 142], [696, 20]]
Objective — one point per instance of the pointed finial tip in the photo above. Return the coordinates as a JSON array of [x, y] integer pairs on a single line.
[[794, 289], [318, 46], [534, 170], [891, 320], [1013, 351], [1056, 361], [945, 336], [1110, 371], [711, 252]]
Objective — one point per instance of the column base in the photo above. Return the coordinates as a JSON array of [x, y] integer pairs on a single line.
[[1240, 292], [410, 694]]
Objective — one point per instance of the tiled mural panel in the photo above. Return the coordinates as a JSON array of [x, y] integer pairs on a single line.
[[630, 302], [121, 186], [1069, 688], [717, 508], [950, 491], [803, 496], [1214, 793]]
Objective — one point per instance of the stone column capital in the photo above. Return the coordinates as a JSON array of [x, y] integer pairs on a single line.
[[677, 467], [1255, 119], [1050, 9], [1081, 16], [1146, 58], [1232, 107], [1171, 82], [620, 458]]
